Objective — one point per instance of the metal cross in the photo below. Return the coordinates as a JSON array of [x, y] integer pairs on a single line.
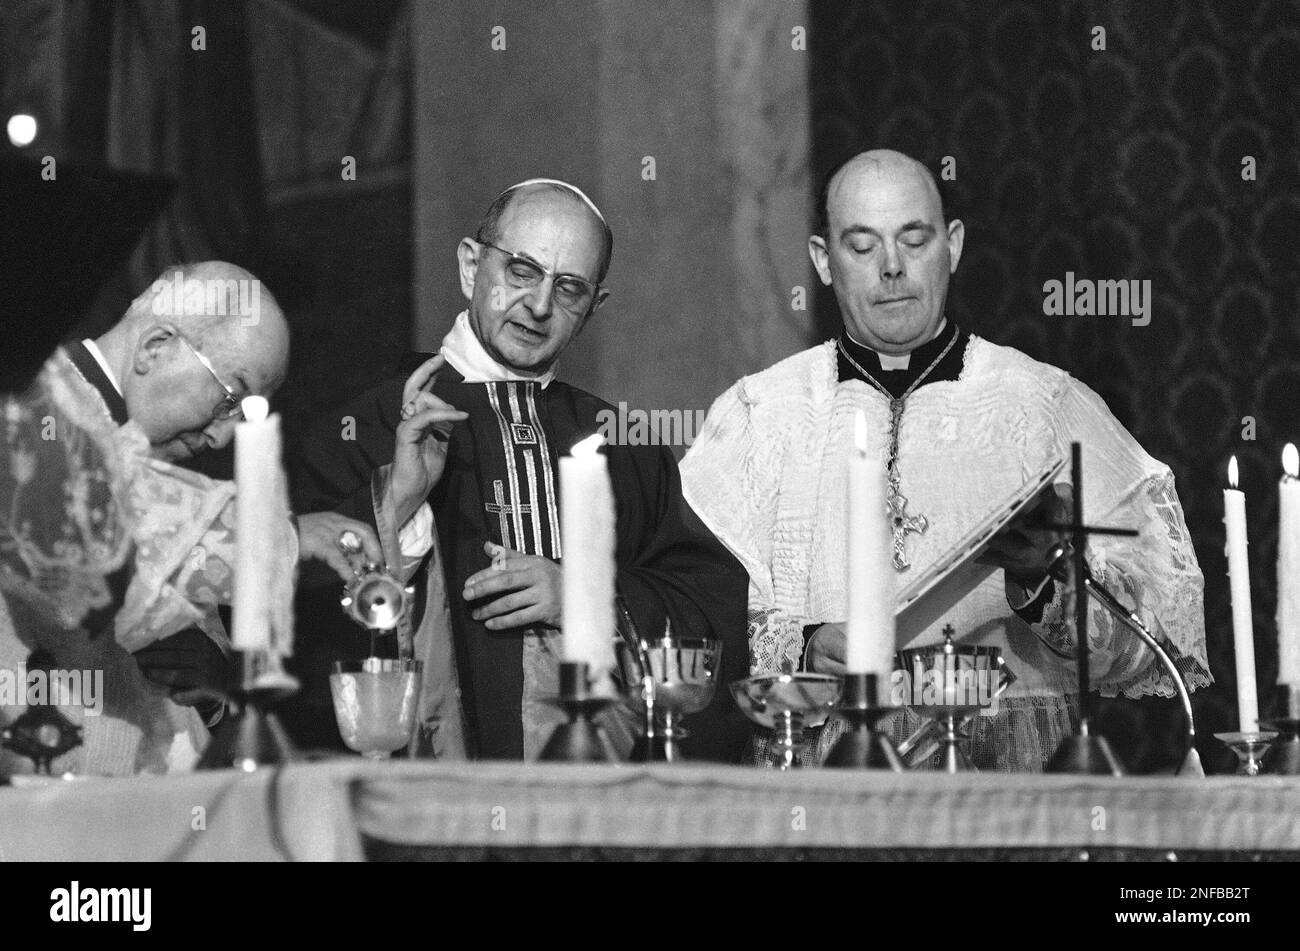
[[504, 511], [902, 523]]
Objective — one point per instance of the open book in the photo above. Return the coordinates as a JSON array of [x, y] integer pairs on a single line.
[[935, 593]]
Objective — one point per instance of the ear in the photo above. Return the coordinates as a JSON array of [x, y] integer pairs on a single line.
[[956, 239], [821, 258], [149, 347], [468, 253], [595, 306]]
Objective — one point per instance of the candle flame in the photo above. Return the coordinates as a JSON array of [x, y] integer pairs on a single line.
[[1291, 461], [860, 432], [1232, 472], [255, 408], [589, 446]]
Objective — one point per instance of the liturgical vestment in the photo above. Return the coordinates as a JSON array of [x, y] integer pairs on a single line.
[[768, 475], [104, 550], [486, 693]]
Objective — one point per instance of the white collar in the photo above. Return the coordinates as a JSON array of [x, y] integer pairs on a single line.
[[463, 351], [896, 361], [103, 364]]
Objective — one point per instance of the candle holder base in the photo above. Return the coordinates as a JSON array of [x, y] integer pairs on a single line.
[[1284, 755], [580, 740], [1251, 748], [250, 735], [863, 746], [1084, 754]]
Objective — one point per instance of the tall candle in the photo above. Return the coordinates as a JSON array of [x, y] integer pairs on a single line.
[[1288, 569], [870, 579], [257, 462], [1243, 628], [587, 545]]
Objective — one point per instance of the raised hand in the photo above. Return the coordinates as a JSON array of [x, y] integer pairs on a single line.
[[420, 454]]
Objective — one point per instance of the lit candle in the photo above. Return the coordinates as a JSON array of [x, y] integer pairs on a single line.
[[257, 463], [1288, 569], [870, 579], [587, 544], [1243, 628]]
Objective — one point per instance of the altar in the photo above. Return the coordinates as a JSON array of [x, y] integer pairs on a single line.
[[353, 810]]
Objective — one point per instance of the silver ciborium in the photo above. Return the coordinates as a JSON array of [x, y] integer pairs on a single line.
[[787, 704], [665, 681], [948, 684]]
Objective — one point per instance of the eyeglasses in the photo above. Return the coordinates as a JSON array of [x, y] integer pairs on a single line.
[[230, 407], [572, 293]]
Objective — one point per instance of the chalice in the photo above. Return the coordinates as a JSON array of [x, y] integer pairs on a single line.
[[787, 704], [665, 681], [374, 703], [948, 684]]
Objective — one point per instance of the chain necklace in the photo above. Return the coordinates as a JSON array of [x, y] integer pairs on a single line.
[[895, 501]]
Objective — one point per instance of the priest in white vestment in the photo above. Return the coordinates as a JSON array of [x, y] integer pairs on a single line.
[[959, 424], [113, 558]]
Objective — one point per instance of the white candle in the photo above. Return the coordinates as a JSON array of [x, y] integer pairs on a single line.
[[587, 545], [257, 463], [1288, 569], [870, 579], [1243, 628]]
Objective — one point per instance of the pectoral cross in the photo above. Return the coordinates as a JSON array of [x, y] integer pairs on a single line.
[[504, 511], [902, 523]]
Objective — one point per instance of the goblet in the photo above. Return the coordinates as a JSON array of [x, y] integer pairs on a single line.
[[787, 704], [948, 684], [374, 703], [666, 680]]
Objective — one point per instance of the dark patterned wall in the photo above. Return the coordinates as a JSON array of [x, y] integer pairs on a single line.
[[1117, 164]]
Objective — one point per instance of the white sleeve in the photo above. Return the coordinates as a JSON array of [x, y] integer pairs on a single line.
[[416, 537]]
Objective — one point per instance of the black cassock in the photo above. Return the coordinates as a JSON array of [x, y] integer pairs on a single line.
[[500, 485]]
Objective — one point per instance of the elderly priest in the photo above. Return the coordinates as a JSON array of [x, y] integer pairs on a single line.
[[957, 423], [113, 558], [466, 451]]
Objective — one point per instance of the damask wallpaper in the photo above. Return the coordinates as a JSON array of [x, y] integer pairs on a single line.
[[1154, 141]]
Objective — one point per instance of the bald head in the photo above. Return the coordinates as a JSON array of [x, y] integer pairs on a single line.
[[201, 333], [886, 250], [490, 225], [873, 163]]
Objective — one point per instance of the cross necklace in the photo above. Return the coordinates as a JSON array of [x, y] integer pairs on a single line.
[[895, 501]]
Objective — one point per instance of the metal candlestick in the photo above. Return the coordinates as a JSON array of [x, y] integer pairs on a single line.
[[250, 735], [1284, 756], [1251, 748], [580, 740], [863, 746]]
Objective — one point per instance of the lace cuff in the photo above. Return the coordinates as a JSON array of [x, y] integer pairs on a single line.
[[775, 641]]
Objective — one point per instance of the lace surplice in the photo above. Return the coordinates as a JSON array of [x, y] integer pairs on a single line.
[[767, 474], [104, 550]]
